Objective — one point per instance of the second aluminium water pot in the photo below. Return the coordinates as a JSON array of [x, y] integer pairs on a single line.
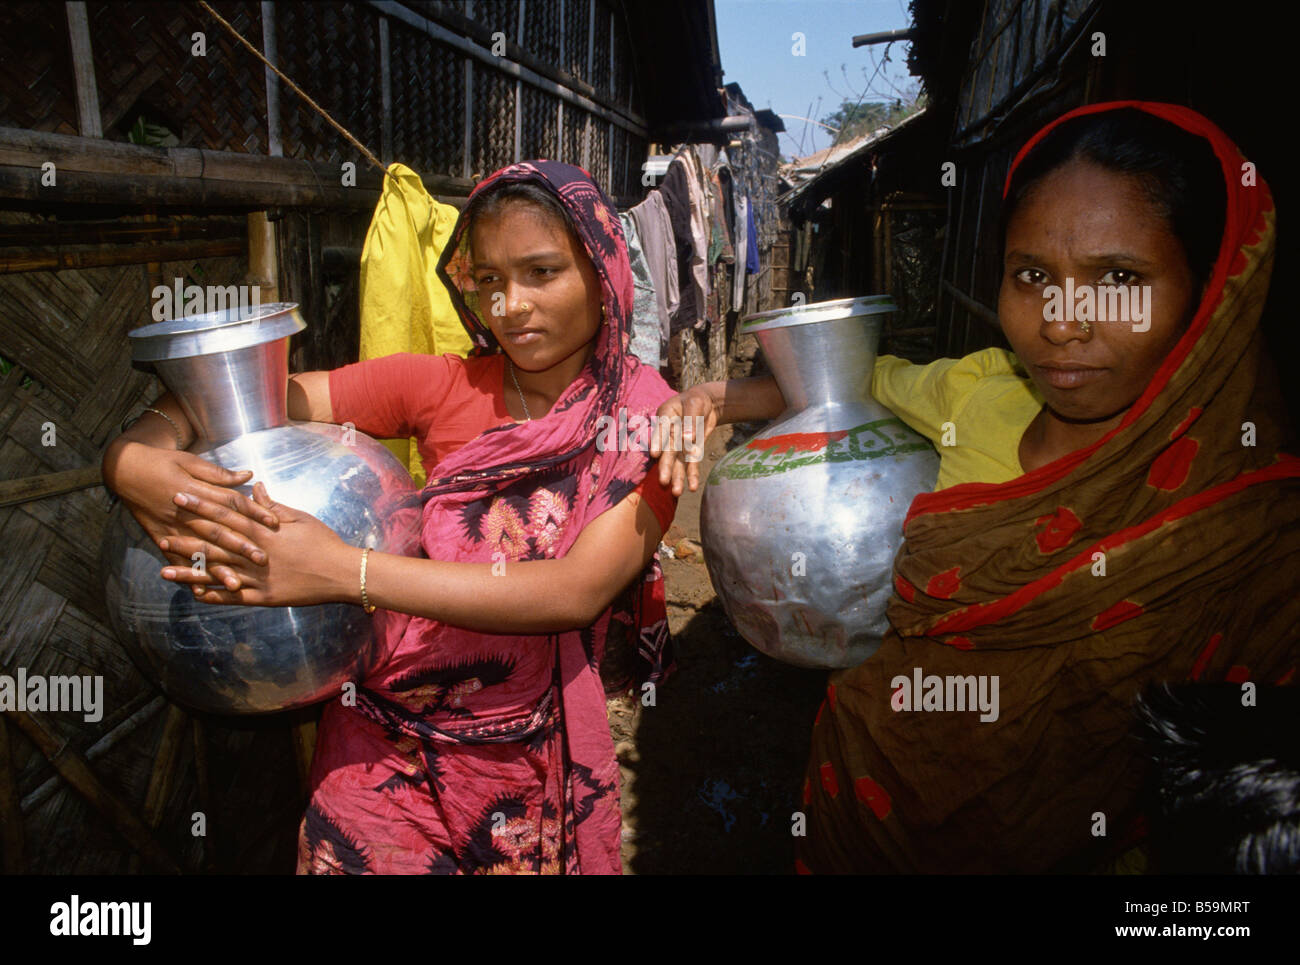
[[801, 523]]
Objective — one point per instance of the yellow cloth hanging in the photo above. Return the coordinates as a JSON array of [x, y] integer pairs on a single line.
[[404, 307]]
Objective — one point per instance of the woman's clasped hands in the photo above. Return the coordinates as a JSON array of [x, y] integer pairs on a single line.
[[297, 561]]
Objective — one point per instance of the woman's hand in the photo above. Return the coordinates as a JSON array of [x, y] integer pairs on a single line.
[[307, 562], [147, 478], [676, 441]]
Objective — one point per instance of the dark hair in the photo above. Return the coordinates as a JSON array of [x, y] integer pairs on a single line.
[[496, 196], [1224, 793], [1179, 172]]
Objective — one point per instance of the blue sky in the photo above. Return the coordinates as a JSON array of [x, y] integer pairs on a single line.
[[754, 37]]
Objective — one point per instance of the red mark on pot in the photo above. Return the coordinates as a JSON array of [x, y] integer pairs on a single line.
[[798, 441]]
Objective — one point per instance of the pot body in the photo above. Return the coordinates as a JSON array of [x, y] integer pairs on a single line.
[[251, 659], [800, 525]]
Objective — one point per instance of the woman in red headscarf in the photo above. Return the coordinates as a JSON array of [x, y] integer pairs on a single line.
[[479, 742], [1119, 509]]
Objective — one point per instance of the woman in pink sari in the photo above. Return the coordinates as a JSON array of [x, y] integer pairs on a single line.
[[479, 742]]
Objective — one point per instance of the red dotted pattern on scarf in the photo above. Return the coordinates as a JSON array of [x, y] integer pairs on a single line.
[[1203, 660], [1193, 414], [905, 589], [1171, 467], [873, 796], [961, 643], [1058, 529], [943, 585], [1286, 678], [830, 695], [829, 782], [1237, 674], [1116, 614]]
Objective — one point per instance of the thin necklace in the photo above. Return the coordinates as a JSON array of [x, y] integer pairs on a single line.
[[519, 390]]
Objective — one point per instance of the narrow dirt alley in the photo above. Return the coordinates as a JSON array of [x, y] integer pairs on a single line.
[[713, 771]]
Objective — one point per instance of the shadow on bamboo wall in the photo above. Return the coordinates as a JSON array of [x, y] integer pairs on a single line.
[[121, 793]]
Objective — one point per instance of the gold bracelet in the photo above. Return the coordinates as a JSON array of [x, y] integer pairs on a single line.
[[365, 600], [180, 440]]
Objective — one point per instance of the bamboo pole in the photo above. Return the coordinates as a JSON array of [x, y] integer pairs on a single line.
[[100, 233], [83, 69], [163, 775], [97, 750], [262, 270], [23, 259], [205, 791], [14, 491], [72, 767], [11, 817], [304, 746], [98, 171]]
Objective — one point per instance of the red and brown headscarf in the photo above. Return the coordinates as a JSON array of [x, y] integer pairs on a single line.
[[1194, 510]]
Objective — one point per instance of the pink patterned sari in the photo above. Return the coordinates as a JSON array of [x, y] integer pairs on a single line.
[[472, 752]]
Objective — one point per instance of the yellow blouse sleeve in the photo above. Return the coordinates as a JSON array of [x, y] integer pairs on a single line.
[[924, 396]]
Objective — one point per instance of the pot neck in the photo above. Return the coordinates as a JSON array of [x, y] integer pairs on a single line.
[[823, 362], [229, 394]]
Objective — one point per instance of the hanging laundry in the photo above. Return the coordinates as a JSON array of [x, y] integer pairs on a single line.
[[646, 326], [676, 193], [699, 234], [404, 307], [751, 247], [742, 251], [655, 230]]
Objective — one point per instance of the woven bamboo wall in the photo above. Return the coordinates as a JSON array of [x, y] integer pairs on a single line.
[[143, 62], [331, 50], [65, 332]]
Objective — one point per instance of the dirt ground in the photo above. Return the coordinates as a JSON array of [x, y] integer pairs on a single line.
[[712, 772]]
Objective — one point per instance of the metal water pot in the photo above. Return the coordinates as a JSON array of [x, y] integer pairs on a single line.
[[801, 523], [229, 370]]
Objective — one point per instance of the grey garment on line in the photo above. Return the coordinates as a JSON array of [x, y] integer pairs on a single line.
[[646, 327], [742, 250], [655, 231]]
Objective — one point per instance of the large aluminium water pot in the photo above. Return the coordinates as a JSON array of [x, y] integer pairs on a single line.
[[229, 370], [801, 523]]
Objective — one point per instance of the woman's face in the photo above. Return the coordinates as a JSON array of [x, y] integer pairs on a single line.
[[538, 291], [1094, 226]]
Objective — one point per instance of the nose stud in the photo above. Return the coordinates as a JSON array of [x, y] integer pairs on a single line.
[[524, 307]]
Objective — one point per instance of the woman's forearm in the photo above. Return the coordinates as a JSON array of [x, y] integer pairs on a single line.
[[150, 430], [755, 399], [532, 596]]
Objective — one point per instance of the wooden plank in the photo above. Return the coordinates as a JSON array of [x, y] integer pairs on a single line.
[[15, 260], [385, 93], [99, 232], [23, 184], [11, 815], [50, 484], [74, 769], [468, 146], [273, 140], [83, 68]]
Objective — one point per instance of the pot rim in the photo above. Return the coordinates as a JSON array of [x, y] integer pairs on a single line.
[[213, 332], [862, 305]]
